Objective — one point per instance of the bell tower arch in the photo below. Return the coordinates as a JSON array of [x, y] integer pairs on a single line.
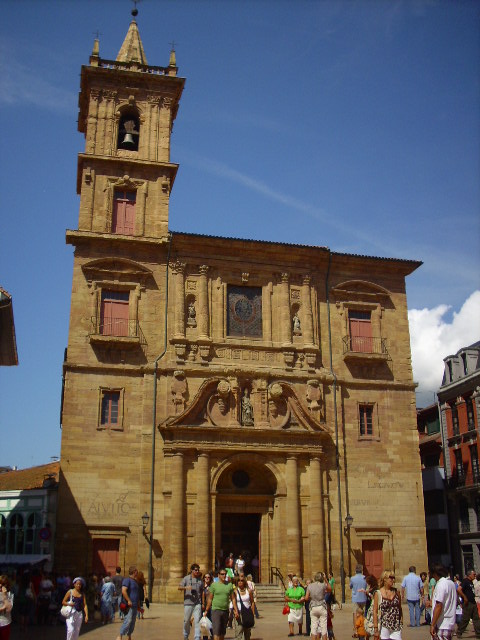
[[126, 112]]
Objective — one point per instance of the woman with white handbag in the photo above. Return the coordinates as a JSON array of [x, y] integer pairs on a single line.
[[75, 600]]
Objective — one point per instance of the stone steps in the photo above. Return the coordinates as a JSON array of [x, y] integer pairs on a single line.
[[270, 593]]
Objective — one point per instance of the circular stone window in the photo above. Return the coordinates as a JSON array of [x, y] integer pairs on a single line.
[[240, 479]]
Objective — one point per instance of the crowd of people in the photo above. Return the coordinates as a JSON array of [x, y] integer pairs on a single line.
[[34, 597], [227, 597], [445, 601]]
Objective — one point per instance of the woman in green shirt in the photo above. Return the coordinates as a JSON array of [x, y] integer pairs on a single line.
[[295, 597]]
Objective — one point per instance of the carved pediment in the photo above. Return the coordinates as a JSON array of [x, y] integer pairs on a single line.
[[359, 290], [287, 411], [226, 403], [115, 268]]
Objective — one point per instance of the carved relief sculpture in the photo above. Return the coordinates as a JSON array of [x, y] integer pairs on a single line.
[[218, 406], [314, 399], [179, 389], [278, 409]]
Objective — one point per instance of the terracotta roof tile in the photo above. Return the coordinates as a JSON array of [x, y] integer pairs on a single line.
[[31, 478]]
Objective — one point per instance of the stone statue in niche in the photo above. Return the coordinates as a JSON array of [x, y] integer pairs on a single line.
[[192, 315], [178, 389], [297, 329], [247, 409]]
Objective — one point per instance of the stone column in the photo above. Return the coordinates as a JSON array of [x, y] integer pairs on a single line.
[[294, 539], [307, 328], [218, 310], [177, 517], [285, 320], [202, 316], [179, 303], [203, 535], [267, 312], [315, 516]]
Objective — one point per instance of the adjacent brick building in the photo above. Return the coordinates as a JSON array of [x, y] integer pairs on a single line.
[[434, 486], [459, 400], [242, 395]]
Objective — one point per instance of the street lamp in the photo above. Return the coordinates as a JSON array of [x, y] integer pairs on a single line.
[[145, 521], [348, 524]]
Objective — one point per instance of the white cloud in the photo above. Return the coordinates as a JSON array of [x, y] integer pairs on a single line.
[[433, 338], [21, 85]]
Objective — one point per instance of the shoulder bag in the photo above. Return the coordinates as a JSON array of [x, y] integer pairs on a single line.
[[67, 610], [246, 613]]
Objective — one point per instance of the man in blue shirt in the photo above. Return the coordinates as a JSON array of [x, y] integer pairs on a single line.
[[412, 590], [358, 585], [130, 597]]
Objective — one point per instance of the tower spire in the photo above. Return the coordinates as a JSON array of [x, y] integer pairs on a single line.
[[132, 47]]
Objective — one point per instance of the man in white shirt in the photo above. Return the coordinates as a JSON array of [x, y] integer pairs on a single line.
[[444, 604]]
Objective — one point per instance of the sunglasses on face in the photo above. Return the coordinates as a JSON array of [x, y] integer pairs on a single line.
[[392, 577]]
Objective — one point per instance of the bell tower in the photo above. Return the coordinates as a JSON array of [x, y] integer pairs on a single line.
[[126, 112]]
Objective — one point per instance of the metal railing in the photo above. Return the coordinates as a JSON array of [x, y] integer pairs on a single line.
[[361, 344], [464, 526], [132, 65], [117, 328], [276, 573]]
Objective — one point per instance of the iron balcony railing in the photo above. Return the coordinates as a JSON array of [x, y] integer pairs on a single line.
[[359, 344], [464, 526], [117, 328], [135, 66]]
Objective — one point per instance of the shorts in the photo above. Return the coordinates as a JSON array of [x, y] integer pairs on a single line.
[[219, 622], [386, 634], [445, 634], [318, 617]]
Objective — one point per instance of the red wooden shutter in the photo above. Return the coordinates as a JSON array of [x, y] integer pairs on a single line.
[[114, 313], [361, 339], [124, 212]]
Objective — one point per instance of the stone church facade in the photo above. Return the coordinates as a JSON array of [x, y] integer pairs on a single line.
[[244, 395]]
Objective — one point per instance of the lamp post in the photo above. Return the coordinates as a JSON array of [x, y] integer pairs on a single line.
[[145, 521], [348, 524]]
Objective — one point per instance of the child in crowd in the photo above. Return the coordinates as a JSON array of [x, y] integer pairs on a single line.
[[359, 623], [330, 633]]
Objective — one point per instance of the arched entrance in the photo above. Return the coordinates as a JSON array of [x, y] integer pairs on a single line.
[[245, 496]]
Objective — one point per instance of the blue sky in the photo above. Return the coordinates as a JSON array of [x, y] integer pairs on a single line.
[[349, 124]]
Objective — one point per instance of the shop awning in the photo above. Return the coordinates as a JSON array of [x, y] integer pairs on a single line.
[[21, 558]]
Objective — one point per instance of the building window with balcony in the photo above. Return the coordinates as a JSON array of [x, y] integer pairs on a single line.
[[475, 465], [459, 468], [111, 409], [365, 420], [468, 560], [477, 511], [454, 414], [463, 516], [123, 216], [114, 313], [470, 413], [360, 327]]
